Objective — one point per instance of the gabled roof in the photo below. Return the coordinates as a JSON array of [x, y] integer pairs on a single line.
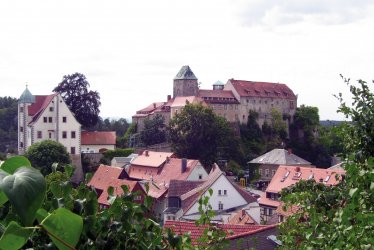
[[262, 89], [26, 97], [242, 218], [108, 176], [127, 159], [280, 157], [179, 187], [282, 180], [232, 231], [185, 73], [98, 138], [37, 108], [151, 158]]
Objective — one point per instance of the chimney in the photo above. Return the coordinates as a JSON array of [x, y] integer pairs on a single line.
[[297, 169], [184, 165], [169, 97], [167, 159], [243, 213], [146, 153], [289, 151]]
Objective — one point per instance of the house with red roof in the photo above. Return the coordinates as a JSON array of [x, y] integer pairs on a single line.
[[97, 141], [287, 176], [232, 100], [158, 169], [47, 117], [108, 176], [184, 195], [261, 237]]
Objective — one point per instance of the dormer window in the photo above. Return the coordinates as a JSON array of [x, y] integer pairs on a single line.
[[51, 109], [311, 176], [327, 178]]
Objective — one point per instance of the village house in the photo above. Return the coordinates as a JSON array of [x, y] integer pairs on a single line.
[[47, 117], [183, 197], [97, 141], [268, 164], [260, 237], [123, 162], [286, 176], [158, 169], [232, 100], [108, 176]]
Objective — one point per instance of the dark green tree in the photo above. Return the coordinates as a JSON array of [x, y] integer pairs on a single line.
[[84, 103], [197, 133], [8, 124], [341, 216], [275, 132], [43, 154], [154, 131], [251, 137]]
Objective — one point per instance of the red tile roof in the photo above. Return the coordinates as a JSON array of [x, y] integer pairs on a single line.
[[295, 173], [218, 96], [242, 218], [162, 175], [98, 138], [232, 231], [108, 176], [151, 158], [37, 108], [181, 101], [262, 89]]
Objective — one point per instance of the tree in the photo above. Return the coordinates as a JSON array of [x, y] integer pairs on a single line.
[[251, 137], [154, 131], [43, 154], [82, 102], [8, 123], [341, 216], [197, 133], [275, 133]]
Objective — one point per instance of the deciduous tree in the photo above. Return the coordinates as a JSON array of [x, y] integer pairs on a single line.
[[84, 103], [154, 131]]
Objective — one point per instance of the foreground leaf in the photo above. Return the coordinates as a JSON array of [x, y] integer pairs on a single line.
[[63, 227], [14, 236], [25, 190], [15, 162]]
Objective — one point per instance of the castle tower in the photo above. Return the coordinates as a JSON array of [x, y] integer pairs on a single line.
[[185, 83], [25, 100]]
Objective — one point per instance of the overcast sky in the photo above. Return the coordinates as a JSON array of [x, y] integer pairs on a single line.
[[130, 51]]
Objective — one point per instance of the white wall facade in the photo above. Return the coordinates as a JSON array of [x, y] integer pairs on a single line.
[[232, 198], [196, 173]]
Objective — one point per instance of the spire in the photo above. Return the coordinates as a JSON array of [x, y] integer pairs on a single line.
[[26, 96], [185, 73]]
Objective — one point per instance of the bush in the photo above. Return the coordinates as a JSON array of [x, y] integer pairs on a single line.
[[120, 152]]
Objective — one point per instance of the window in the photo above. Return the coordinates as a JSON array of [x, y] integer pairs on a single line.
[[72, 150], [138, 198], [243, 117], [260, 171], [21, 144], [200, 176], [220, 206], [220, 192], [266, 102], [39, 134], [73, 134], [64, 119], [20, 129], [21, 109], [291, 105], [64, 134], [267, 172], [49, 135], [45, 119], [224, 192], [51, 109], [272, 172], [50, 119], [225, 106]]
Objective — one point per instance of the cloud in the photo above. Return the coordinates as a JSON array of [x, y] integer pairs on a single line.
[[326, 12]]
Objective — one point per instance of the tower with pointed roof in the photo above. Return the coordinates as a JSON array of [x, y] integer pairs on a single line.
[[25, 100], [185, 83]]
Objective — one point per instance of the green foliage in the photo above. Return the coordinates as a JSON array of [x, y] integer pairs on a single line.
[[82, 102], [43, 154], [197, 133], [252, 140], [154, 131], [8, 124], [119, 152], [275, 133], [341, 216]]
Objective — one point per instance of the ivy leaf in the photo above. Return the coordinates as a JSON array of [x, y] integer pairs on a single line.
[[352, 191], [14, 236], [25, 190], [64, 228], [13, 163]]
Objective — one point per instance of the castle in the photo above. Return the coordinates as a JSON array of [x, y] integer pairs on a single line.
[[232, 100]]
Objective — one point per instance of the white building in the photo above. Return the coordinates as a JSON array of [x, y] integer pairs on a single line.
[[46, 117]]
